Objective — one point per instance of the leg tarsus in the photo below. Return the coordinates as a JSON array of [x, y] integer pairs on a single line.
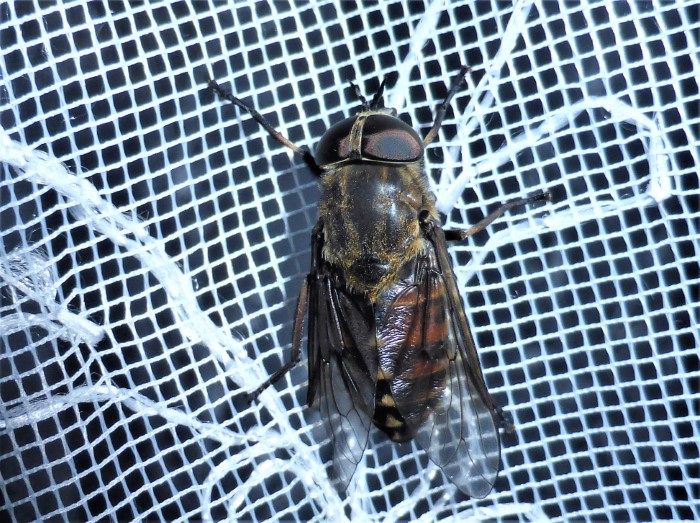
[[251, 397], [505, 420]]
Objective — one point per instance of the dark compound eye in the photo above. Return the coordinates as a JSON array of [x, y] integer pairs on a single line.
[[334, 145], [387, 138]]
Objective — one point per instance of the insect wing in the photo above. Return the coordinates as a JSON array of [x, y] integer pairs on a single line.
[[437, 384], [460, 434], [343, 372], [468, 413]]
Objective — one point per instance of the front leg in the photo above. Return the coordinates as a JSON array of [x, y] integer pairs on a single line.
[[274, 133]]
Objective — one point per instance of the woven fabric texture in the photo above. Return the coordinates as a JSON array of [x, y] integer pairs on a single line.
[[154, 240]]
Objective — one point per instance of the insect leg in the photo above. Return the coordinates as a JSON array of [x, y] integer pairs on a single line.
[[461, 234], [274, 133], [296, 344], [302, 305], [505, 420], [457, 84]]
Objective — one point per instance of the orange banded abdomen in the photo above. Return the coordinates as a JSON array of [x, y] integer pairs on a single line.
[[415, 350]]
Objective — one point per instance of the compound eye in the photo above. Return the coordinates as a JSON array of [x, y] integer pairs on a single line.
[[334, 145], [388, 139]]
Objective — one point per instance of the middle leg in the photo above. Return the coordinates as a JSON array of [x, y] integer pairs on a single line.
[[461, 234]]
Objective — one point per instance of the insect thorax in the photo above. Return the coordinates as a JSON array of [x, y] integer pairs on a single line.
[[370, 216]]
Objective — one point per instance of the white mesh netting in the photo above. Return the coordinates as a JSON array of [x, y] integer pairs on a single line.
[[154, 240]]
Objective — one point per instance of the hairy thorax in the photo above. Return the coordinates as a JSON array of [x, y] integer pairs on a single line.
[[370, 218]]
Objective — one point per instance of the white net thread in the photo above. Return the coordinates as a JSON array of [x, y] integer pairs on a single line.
[[154, 240]]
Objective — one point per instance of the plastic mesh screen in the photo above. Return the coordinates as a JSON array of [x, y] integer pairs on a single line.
[[154, 241]]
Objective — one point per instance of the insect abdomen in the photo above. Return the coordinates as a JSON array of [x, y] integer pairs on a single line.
[[427, 377], [414, 348], [386, 416]]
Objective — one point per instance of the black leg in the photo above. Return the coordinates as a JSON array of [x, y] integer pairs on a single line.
[[505, 420], [461, 234], [302, 306], [296, 344], [457, 84], [274, 133]]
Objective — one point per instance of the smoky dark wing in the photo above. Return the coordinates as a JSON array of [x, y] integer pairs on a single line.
[[437, 385], [343, 376]]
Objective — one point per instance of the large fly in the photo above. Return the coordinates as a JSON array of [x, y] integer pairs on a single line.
[[388, 339]]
